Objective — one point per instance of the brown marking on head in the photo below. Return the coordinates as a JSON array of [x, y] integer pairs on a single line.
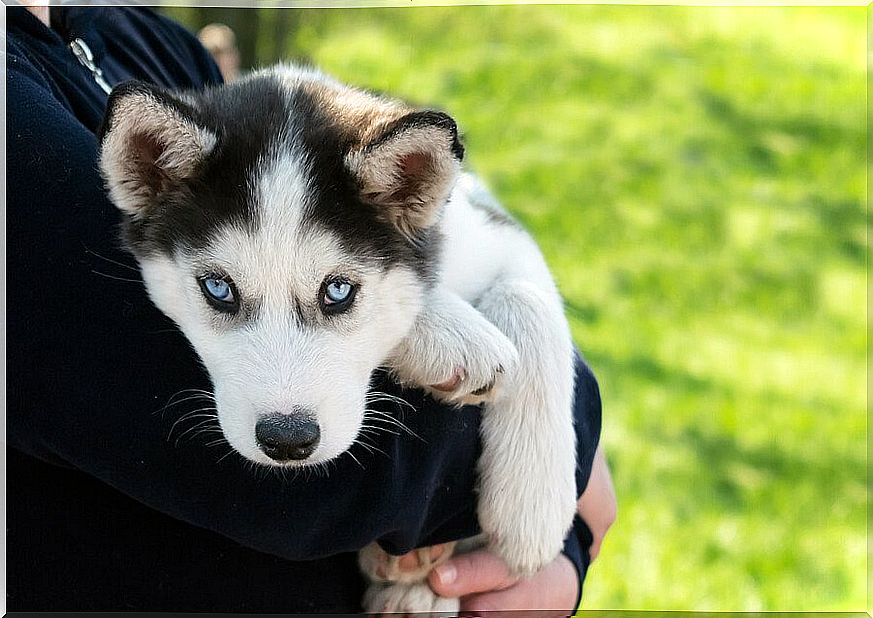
[[405, 162], [360, 115]]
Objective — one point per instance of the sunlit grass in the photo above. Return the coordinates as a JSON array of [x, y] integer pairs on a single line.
[[696, 179]]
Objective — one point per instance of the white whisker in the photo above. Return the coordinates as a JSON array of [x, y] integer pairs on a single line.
[[210, 418], [375, 396], [228, 453], [352, 455], [377, 415], [108, 276], [207, 413], [111, 261], [198, 394]]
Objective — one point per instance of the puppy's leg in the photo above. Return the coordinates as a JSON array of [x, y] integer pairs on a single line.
[[527, 469], [451, 342], [393, 589]]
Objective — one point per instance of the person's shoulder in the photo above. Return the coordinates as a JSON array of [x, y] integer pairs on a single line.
[[147, 28], [22, 73], [17, 58], [146, 20]]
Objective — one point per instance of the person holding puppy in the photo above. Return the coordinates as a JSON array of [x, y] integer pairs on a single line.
[[98, 379]]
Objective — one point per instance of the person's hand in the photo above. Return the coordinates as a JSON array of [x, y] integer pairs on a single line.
[[483, 582]]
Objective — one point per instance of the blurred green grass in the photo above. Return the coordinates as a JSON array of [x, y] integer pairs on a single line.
[[696, 178]]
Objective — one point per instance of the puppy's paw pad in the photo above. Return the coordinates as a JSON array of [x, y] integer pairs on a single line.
[[453, 382], [464, 394]]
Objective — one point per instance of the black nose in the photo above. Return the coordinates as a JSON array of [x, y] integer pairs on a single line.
[[285, 436]]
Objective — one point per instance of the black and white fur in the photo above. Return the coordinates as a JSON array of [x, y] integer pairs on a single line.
[[287, 180]]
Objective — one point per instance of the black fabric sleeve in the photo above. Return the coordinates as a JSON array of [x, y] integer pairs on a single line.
[[587, 421], [99, 380], [577, 547], [587, 417]]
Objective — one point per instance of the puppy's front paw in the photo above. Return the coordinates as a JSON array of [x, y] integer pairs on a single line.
[[473, 382], [406, 598], [466, 366], [460, 358]]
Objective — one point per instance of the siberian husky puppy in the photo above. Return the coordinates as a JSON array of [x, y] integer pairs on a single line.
[[303, 233]]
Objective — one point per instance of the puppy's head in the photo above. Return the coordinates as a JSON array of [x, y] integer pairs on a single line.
[[286, 223]]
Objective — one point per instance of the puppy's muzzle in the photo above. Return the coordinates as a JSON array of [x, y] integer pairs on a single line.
[[287, 437]]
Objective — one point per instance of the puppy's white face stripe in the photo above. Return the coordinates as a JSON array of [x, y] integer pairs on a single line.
[[286, 353], [278, 259]]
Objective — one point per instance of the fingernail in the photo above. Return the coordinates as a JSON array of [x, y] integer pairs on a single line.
[[446, 573]]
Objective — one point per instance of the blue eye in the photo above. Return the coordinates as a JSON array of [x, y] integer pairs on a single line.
[[219, 292], [218, 289], [337, 291], [338, 295]]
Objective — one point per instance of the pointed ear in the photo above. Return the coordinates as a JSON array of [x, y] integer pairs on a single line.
[[409, 170], [149, 141]]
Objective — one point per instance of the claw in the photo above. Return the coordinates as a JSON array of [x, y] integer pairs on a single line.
[[484, 389]]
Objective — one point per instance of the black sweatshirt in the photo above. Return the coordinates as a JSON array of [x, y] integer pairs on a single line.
[[112, 504]]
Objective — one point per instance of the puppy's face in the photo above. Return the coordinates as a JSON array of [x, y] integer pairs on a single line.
[[286, 224]]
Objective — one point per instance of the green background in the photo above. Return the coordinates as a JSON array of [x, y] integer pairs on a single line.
[[696, 178]]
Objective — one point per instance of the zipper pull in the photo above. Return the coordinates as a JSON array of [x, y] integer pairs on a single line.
[[83, 54]]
